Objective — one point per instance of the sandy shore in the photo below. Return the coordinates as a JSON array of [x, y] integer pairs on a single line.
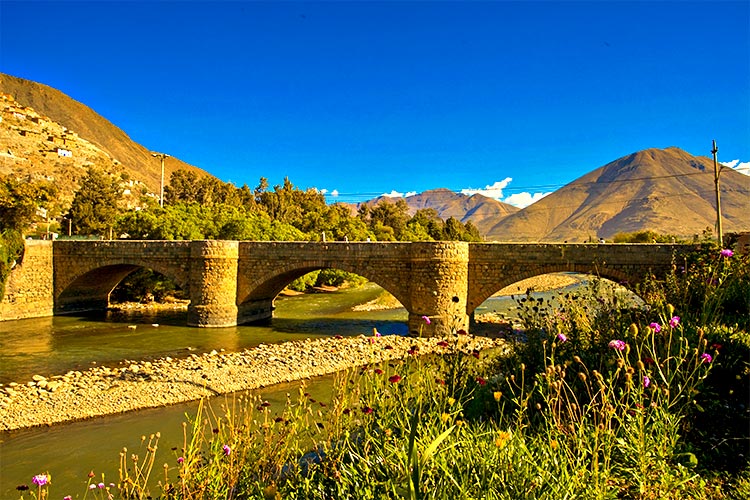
[[139, 384]]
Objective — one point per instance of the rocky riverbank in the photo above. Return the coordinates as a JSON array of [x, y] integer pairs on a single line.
[[133, 385]]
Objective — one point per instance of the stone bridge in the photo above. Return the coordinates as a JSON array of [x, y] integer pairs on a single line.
[[235, 282]]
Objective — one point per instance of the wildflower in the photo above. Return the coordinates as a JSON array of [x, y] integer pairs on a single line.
[[451, 401], [655, 327], [338, 337], [442, 343], [561, 337], [375, 332], [367, 410], [67, 497], [92, 486], [462, 332], [445, 417], [726, 253], [40, 479], [393, 379], [100, 486], [388, 347], [91, 474], [440, 381], [648, 361], [497, 395], [481, 381], [227, 449], [706, 358], [502, 438], [180, 460], [617, 344], [674, 321], [553, 444], [716, 346], [426, 319], [378, 371], [646, 381]]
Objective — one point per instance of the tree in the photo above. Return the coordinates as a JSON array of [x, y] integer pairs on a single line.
[[95, 208], [20, 201]]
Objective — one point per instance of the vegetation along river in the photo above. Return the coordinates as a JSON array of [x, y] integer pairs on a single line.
[[55, 345]]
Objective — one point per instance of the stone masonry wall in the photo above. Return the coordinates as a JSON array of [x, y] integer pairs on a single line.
[[29, 291]]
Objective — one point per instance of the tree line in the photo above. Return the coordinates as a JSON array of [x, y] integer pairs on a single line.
[[203, 207]]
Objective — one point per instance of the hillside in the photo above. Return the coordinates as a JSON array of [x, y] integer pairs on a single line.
[[482, 211], [668, 191], [38, 120]]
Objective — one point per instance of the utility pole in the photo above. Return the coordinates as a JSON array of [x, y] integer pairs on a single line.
[[161, 191], [717, 172]]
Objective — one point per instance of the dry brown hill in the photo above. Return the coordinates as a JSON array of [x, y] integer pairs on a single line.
[[65, 119], [482, 211], [668, 191]]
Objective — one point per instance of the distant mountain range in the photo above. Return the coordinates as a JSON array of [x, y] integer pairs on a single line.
[[46, 134]]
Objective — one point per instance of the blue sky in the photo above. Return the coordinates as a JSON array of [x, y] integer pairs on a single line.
[[364, 98]]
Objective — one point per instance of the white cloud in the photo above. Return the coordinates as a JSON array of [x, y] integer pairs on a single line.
[[396, 194], [393, 194], [335, 193], [741, 167], [494, 191], [522, 200]]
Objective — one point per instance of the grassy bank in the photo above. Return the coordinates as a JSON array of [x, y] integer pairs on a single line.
[[593, 401]]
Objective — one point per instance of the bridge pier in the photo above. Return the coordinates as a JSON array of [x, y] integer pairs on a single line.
[[439, 287], [213, 283]]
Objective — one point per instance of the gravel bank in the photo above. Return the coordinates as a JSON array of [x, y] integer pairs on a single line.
[[133, 385]]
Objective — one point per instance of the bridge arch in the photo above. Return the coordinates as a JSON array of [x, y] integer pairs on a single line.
[[90, 287], [487, 289], [256, 295]]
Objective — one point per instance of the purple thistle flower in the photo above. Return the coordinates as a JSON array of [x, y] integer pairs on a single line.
[[706, 358], [656, 327], [100, 486], [180, 460], [227, 449], [561, 337], [726, 253], [40, 479], [426, 319], [674, 321], [67, 497], [646, 381], [617, 344]]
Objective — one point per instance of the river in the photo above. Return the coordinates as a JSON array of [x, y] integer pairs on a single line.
[[50, 346]]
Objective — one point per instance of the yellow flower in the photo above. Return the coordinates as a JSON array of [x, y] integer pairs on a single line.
[[502, 438], [553, 444], [451, 401], [497, 395], [445, 417]]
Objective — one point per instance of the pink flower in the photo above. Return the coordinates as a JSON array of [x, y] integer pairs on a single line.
[[561, 337], [674, 321], [656, 327], [726, 253], [706, 358], [40, 479], [367, 410], [617, 344], [646, 381], [426, 319], [481, 381], [100, 486], [180, 460], [227, 449], [67, 497]]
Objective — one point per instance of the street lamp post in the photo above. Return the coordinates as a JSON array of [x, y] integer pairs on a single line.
[[717, 172], [161, 156]]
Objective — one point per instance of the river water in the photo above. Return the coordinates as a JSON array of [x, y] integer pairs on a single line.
[[50, 346]]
